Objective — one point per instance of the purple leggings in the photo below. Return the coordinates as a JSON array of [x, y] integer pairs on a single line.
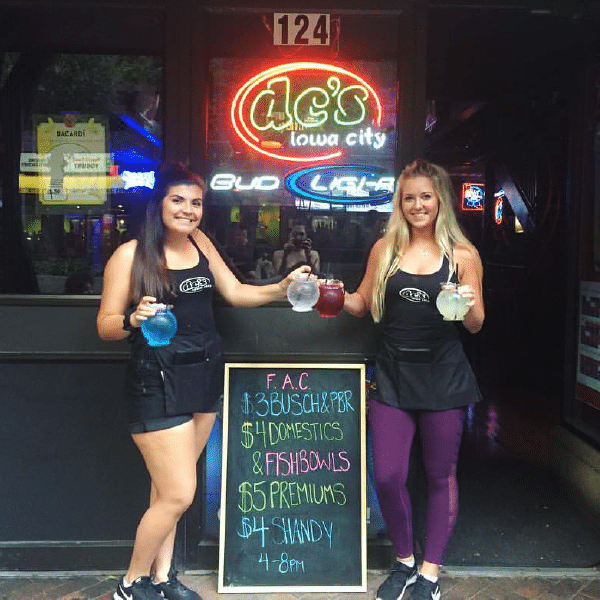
[[392, 433]]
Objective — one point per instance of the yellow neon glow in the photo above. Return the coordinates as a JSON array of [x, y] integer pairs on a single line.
[[343, 111], [89, 189], [321, 115], [251, 139], [269, 92], [70, 182]]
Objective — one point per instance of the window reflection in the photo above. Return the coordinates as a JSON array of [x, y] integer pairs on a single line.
[[301, 163], [90, 143]]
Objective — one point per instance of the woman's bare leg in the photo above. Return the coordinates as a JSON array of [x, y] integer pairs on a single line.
[[203, 423], [170, 456]]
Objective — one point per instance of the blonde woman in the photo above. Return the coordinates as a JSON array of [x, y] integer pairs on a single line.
[[422, 376]]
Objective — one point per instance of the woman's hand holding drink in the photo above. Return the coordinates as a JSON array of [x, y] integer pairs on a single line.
[[331, 298], [454, 301], [159, 328], [325, 295], [302, 293]]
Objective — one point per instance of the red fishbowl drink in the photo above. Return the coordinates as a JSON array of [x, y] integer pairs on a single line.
[[331, 298]]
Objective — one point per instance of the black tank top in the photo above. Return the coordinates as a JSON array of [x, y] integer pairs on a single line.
[[411, 316], [193, 303]]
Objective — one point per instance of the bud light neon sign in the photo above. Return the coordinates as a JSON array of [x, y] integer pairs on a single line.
[[307, 111], [342, 184]]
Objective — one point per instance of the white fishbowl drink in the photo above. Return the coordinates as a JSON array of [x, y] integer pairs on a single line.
[[452, 306], [303, 294]]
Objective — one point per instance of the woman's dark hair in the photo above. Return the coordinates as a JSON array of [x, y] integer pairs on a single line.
[[150, 276]]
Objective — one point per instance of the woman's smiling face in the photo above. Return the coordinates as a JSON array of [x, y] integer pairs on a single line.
[[419, 203], [182, 208]]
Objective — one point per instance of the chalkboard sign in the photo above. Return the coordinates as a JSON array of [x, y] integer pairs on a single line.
[[293, 487]]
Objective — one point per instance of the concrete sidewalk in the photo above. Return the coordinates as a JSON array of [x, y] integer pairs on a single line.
[[471, 584]]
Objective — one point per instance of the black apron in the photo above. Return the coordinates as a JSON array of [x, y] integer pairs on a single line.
[[421, 364], [187, 375], [192, 368]]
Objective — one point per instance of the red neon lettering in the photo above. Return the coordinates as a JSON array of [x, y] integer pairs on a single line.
[[274, 103]]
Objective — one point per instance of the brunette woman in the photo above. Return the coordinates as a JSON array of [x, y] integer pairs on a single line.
[[172, 392], [422, 376]]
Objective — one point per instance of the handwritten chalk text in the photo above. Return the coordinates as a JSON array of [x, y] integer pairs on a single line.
[[260, 495], [276, 404], [283, 464], [267, 434], [287, 531]]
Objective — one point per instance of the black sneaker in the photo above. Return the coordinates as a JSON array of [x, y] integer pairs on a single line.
[[174, 589], [140, 589], [425, 590], [399, 578]]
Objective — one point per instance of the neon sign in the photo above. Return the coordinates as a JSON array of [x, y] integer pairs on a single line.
[[364, 137], [472, 196], [499, 207], [339, 184], [227, 182], [345, 184], [138, 179], [307, 111]]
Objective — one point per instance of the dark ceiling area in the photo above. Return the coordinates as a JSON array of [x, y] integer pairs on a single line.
[[478, 54], [502, 81]]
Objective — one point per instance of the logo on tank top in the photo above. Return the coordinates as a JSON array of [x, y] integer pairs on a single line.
[[414, 295], [194, 284]]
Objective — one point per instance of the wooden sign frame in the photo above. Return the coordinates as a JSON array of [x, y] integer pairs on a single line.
[[303, 398]]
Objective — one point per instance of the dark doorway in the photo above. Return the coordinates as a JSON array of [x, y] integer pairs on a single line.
[[502, 85]]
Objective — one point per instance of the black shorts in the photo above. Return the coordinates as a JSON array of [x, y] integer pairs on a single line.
[[145, 394], [158, 424]]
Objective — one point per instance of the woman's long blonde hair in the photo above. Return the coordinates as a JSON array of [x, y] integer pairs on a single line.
[[397, 236]]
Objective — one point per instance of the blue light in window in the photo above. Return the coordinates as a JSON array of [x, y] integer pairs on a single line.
[[132, 157], [140, 129]]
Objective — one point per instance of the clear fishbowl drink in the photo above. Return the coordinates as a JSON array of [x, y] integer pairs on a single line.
[[303, 294], [451, 305]]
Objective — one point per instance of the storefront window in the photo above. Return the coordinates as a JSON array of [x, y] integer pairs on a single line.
[[301, 162], [90, 142]]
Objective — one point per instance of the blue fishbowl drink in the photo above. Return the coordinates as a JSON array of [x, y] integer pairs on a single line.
[[159, 329]]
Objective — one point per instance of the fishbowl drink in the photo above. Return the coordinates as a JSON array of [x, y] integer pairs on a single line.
[[451, 305], [303, 293], [331, 298], [159, 329]]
